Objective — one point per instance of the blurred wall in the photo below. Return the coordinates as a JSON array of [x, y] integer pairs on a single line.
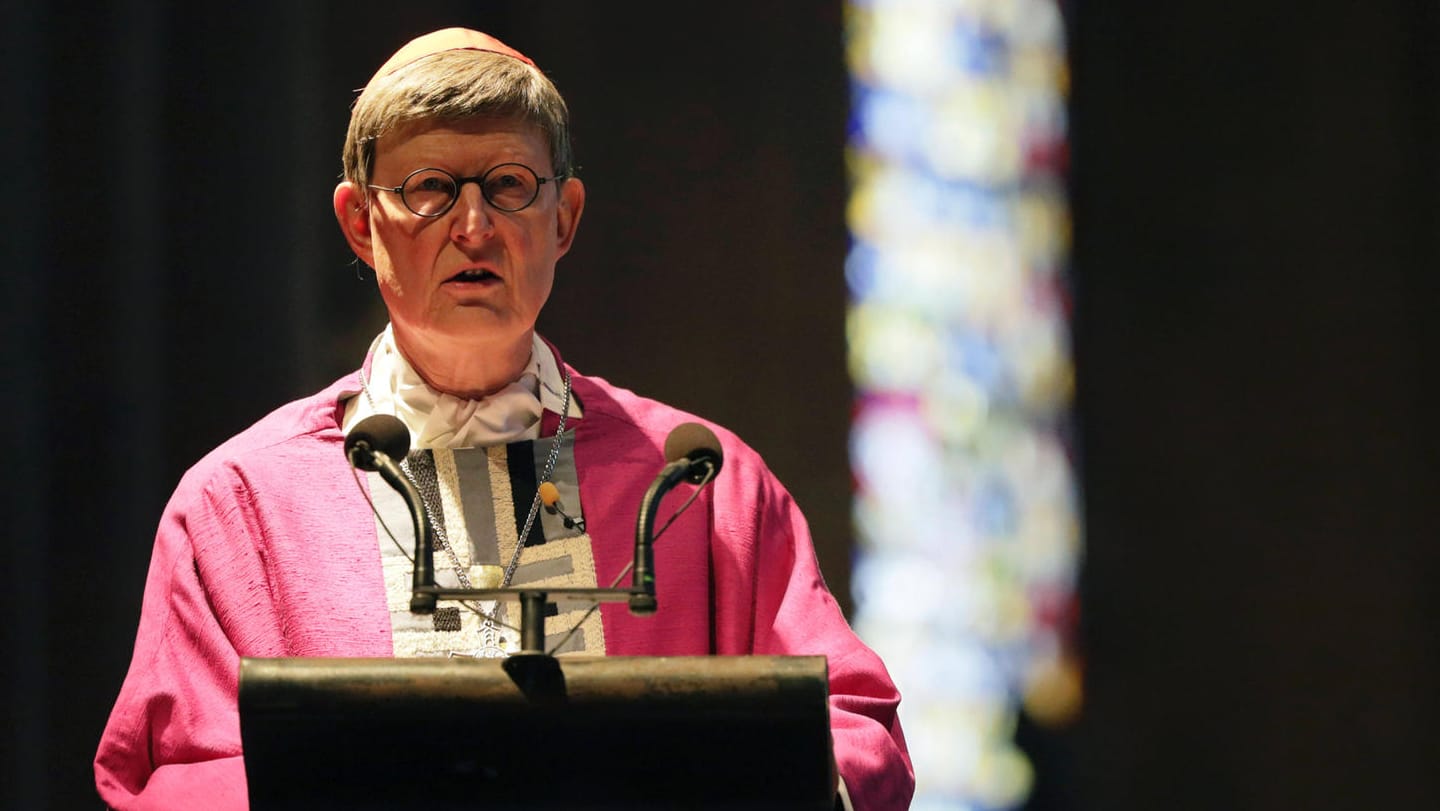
[[1256, 255]]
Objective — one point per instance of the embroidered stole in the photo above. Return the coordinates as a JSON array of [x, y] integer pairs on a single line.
[[478, 500]]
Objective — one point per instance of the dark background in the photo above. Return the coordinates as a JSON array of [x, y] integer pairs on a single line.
[[1255, 256]]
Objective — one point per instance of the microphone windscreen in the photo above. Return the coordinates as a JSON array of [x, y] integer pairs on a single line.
[[691, 440], [549, 493], [382, 432]]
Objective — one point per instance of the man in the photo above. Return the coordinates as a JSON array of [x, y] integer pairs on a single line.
[[460, 193]]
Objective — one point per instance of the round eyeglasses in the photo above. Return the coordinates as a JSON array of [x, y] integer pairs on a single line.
[[507, 186]]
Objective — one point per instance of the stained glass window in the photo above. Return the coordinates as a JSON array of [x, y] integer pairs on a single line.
[[966, 505]]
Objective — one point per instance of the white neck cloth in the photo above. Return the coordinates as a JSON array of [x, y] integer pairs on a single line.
[[438, 420]]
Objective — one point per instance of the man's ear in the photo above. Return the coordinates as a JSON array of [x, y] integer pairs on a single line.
[[567, 215], [353, 213]]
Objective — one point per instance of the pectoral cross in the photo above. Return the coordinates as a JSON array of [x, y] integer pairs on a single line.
[[492, 644]]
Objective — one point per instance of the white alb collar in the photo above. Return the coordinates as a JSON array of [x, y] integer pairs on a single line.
[[438, 420]]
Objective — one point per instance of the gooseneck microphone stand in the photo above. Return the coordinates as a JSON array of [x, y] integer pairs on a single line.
[[692, 452]]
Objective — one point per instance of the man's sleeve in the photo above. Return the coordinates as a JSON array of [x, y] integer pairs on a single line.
[[173, 738], [795, 614]]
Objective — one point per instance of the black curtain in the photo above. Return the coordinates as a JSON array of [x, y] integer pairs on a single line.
[[1256, 258]]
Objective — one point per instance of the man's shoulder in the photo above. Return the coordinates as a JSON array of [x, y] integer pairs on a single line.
[[623, 416], [292, 432], [601, 398], [618, 408]]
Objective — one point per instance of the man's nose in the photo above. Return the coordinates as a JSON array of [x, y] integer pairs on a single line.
[[471, 215]]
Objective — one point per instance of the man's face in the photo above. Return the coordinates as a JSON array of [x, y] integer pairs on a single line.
[[475, 276]]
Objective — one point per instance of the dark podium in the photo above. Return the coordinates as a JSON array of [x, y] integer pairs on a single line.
[[538, 732]]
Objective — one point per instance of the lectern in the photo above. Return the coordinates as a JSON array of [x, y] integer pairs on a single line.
[[537, 732]]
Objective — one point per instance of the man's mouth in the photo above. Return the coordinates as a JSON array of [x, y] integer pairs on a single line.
[[474, 275]]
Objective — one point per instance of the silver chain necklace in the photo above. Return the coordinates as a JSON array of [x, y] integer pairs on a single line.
[[488, 633]]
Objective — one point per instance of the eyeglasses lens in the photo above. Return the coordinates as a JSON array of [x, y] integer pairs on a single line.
[[508, 187], [429, 193]]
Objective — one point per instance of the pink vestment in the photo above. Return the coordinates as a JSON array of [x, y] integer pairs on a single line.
[[267, 549]]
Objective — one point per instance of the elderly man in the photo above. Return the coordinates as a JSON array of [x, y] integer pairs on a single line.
[[460, 192]]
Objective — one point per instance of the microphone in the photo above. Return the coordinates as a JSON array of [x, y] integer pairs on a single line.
[[697, 446], [376, 439], [692, 453], [550, 495], [375, 444]]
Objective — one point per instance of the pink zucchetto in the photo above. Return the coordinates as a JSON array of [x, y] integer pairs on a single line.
[[446, 39]]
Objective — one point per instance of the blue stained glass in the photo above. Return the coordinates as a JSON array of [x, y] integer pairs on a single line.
[[860, 270], [995, 511], [982, 51], [980, 360], [894, 125], [971, 204]]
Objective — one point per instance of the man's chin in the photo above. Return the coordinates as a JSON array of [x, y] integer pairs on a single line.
[[474, 326]]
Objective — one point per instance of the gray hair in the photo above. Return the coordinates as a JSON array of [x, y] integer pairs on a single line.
[[452, 86]]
